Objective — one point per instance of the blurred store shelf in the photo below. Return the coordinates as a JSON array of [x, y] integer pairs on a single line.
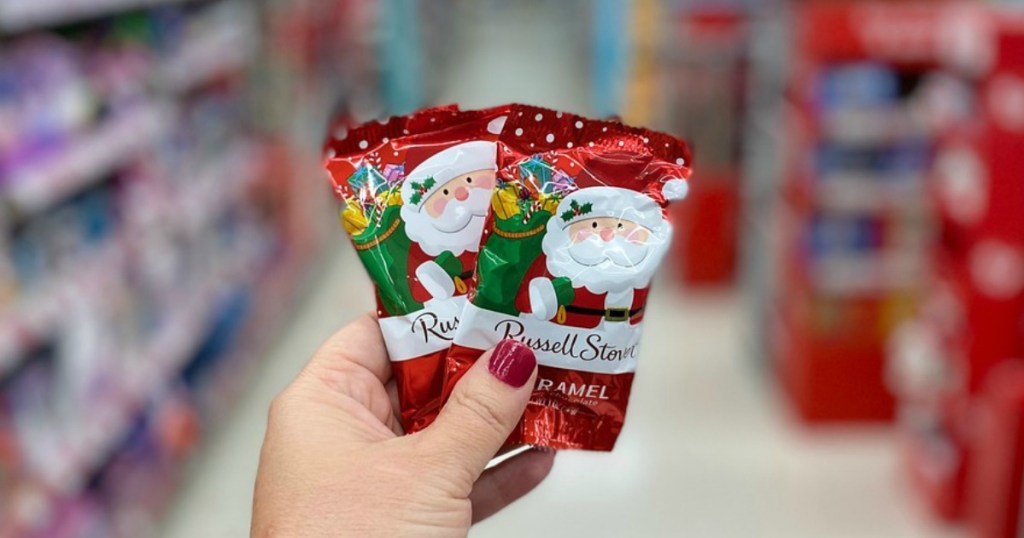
[[38, 312], [21, 15], [865, 193], [216, 186], [90, 156], [154, 229], [167, 352], [867, 273], [872, 126], [223, 50]]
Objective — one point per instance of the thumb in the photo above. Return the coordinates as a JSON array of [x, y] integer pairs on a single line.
[[484, 408]]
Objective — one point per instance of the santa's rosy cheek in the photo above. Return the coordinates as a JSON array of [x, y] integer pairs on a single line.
[[484, 182], [437, 206], [581, 235], [638, 236]]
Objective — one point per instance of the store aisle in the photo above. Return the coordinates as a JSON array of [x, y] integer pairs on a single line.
[[706, 451]]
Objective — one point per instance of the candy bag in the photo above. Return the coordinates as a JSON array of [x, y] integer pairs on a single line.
[[576, 231], [415, 192]]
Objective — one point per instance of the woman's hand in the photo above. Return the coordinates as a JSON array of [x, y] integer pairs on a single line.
[[334, 462]]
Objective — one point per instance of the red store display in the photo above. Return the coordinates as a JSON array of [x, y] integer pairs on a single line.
[[994, 490], [970, 324], [864, 109]]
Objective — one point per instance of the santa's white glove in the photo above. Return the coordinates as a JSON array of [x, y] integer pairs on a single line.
[[543, 300], [437, 282]]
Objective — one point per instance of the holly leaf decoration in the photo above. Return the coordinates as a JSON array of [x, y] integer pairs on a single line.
[[576, 210], [568, 214], [419, 189]]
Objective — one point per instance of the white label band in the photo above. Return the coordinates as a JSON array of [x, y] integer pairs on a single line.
[[422, 332], [610, 348]]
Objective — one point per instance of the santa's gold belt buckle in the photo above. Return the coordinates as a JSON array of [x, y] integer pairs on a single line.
[[616, 314]]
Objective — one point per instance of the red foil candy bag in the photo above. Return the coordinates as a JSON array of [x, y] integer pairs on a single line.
[[415, 193], [577, 230]]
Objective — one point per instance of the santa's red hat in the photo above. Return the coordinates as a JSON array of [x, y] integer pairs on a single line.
[[429, 171]]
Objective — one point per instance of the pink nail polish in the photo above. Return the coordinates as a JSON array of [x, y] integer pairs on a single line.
[[512, 363]]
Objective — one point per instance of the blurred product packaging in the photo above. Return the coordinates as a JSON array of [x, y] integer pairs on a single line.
[[154, 200], [853, 221], [948, 362], [703, 87]]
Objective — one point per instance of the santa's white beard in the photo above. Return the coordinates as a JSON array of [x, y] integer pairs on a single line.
[[605, 266], [457, 230], [619, 251]]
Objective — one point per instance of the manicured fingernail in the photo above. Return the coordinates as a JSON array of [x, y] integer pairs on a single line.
[[512, 363]]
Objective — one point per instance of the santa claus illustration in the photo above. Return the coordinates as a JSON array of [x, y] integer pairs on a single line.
[[601, 248], [445, 200]]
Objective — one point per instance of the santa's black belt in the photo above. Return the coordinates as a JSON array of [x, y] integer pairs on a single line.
[[609, 314], [467, 275]]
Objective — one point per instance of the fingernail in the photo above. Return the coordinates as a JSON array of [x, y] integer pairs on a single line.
[[512, 362]]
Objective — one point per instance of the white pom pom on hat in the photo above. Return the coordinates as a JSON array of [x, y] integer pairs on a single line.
[[675, 189]]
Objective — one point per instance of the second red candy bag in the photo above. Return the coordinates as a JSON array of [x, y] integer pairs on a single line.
[[576, 231]]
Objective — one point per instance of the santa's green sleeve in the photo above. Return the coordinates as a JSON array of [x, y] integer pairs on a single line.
[[563, 290], [451, 263]]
